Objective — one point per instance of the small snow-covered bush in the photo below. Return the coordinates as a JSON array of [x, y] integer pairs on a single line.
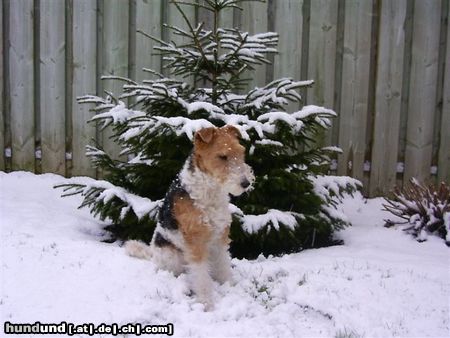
[[426, 210]]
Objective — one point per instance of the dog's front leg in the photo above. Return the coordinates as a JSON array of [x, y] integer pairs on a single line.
[[198, 268], [220, 260], [201, 282], [220, 264], [197, 234]]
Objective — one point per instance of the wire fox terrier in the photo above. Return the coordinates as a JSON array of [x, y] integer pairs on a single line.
[[192, 234]]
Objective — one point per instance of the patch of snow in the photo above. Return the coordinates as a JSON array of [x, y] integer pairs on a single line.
[[447, 226], [332, 149], [254, 223], [183, 125], [380, 283], [118, 114], [267, 142], [198, 105], [333, 165], [140, 159], [326, 186]]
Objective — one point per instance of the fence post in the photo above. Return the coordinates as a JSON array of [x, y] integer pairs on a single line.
[[444, 146], [254, 20], [322, 56], [52, 86], [115, 58], [355, 87], [391, 42], [289, 26], [423, 86], [84, 70], [21, 84], [148, 20]]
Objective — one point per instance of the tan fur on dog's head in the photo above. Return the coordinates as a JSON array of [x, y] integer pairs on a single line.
[[218, 153]]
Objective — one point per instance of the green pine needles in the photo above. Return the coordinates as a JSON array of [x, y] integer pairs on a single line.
[[293, 206]]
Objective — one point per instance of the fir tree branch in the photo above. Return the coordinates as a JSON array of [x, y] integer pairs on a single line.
[[119, 78], [151, 71], [194, 33]]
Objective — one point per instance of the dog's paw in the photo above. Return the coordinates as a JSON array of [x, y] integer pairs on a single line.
[[137, 249], [223, 274], [208, 304]]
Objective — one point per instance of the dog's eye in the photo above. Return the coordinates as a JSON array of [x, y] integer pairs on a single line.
[[223, 157]]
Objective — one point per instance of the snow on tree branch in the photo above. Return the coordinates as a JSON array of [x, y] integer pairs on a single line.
[[104, 192], [247, 48], [254, 223], [329, 188], [138, 123], [276, 93], [117, 115]]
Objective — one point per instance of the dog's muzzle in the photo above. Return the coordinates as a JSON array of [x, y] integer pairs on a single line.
[[245, 184], [241, 180]]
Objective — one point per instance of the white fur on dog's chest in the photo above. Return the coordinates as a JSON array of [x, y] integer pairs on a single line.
[[213, 202], [217, 215], [209, 197]]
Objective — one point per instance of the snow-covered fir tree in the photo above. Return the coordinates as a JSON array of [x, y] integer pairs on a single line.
[[293, 206]]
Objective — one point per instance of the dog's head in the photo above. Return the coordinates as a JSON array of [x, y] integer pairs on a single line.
[[218, 153]]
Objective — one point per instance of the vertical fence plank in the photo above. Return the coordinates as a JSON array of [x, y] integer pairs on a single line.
[[175, 18], [391, 42], [289, 26], [115, 57], [444, 146], [21, 84], [226, 18], [322, 56], [2, 112], [148, 20], [355, 87], [254, 20], [206, 18], [423, 86], [84, 82], [52, 85]]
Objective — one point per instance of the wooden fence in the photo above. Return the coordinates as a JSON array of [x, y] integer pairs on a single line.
[[382, 65]]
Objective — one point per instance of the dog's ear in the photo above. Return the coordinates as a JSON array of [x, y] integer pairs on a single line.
[[232, 130], [205, 135]]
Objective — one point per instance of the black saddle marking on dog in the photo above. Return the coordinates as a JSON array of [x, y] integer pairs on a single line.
[[166, 217], [161, 241]]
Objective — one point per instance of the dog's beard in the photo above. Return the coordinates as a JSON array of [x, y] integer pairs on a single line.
[[236, 190], [238, 175]]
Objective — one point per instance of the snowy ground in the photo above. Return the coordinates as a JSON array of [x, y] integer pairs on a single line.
[[381, 283]]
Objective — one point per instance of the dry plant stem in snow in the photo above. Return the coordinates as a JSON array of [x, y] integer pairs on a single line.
[[425, 209]]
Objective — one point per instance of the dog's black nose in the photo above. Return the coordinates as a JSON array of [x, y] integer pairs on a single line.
[[245, 184]]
